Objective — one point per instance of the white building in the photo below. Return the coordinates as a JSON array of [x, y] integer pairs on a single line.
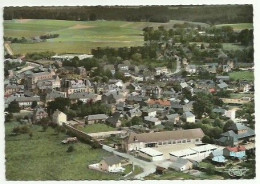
[[231, 114], [59, 117], [196, 153], [150, 154]]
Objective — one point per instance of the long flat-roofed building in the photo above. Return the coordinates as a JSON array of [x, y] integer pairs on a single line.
[[150, 154], [196, 153], [137, 141]]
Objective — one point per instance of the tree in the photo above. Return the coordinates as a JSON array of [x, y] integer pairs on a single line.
[[9, 117], [70, 149], [202, 104], [227, 125], [218, 123], [92, 17], [13, 107], [206, 139], [34, 104], [59, 103]]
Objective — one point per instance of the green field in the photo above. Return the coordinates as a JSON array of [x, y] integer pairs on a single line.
[[97, 128], [77, 36], [231, 46], [43, 157], [239, 26], [242, 75]]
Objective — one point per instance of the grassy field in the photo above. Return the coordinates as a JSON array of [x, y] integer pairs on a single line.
[[231, 46], [77, 36], [239, 26], [242, 75], [43, 157], [97, 128]]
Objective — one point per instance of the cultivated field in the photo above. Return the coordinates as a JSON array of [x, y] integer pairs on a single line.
[[239, 26], [43, 157], [78, 36]]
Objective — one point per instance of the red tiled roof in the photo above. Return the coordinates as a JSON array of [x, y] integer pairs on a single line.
[[236, 149], [159, 102]]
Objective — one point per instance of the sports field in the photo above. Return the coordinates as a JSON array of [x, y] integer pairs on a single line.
[[78, 36]]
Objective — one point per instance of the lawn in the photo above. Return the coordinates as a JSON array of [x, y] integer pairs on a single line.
[[232, 46], [242, 75], [43, 157], [170, 175], [238, 26], [97, 128], [77, 36]]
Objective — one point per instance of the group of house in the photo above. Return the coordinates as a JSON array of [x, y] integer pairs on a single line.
[[150, 95]]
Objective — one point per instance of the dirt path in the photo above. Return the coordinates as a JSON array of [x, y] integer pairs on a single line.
[[8, 49]]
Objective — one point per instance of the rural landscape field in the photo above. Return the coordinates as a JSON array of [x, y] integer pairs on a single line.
[[82, 36], [129, 93]]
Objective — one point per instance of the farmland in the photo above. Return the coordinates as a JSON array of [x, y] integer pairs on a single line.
[[238, 27], [43, 157], [78, 36]]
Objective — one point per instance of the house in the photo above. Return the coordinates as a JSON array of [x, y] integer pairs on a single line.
[[161, 70], [134, 112], [222, 85], [175, 118], [151, 91], [217, 156], [152, 121], [38, 114], [75, 86], [51, 96], [137, 141], [235, 152], [237, 134], [12, 89], [96, 118], [181, 164], [81, 71], [113, 97], [150, 154], [189, 117], [110, 68], [23, 101], [114, 120], [230, 114], [191, 69], [149, 112], [111, 164], [222, 78], [59, 117], [158, 103], [32, 79], [245, 86], [84, 97]]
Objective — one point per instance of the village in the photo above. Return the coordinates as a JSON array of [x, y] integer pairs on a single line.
[[188, 110]]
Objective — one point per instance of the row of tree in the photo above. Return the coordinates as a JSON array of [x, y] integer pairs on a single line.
[[216, 14]]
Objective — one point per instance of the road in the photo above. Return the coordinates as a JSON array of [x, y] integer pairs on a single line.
[[148, 167], [178, 66], [8, 49]]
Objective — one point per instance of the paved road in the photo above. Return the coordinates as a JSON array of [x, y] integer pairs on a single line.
[[178, 67], [148, 167]]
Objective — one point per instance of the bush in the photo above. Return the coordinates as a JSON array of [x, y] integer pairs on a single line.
[[21, 129], [70, 149]]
